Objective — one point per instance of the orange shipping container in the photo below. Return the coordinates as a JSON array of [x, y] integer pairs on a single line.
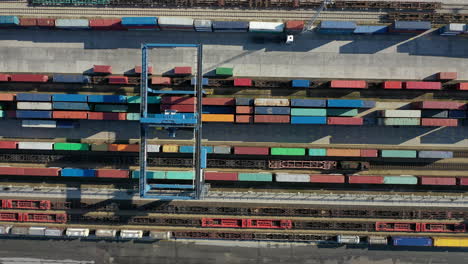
[[344, 152], [244, 119], [217, 118], [70, 114], [124, 147], [7, 97], [244, 110]]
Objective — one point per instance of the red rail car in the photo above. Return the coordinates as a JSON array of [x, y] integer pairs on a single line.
[[44, 218], [11, 216], [247, 223], [443, 228], [230, 223], [269, 224], [398, 227], [26, 204]]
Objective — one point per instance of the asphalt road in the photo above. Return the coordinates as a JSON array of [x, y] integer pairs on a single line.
[[211, 252]]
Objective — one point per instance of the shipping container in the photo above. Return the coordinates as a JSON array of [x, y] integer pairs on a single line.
[[139, 21], [271, 118], [71, 146], [189, 149], [462, 86], [133, 116], [343, 152], [440, 105], [412, 25], [36, 97], [4, 77], [179, 108], [251, 151], [170, 148], [368, 30], [412, 241], [154, 175], [71, 172], [69, 98], [138, 69], [72, 23], [117, 80], [106, 116], [70, 78], [337, 26], [407, 179], [28, 22], [457, 114], [423, 85], [401, 113], [347, 239], [244, 119], [230, 26], [398, 153], [345, 121], [242, 82], [244, 109], [161, 80], [53, 232], [348, 84], [29, 78], [450, 242], [110, 173], [447, 75], [287, 177], [137, 99], [218, 101], [106, 24], [393, 85], [124, 147], [183, 70], [263, 177], [428, 180], [266, 27], [377, 240], [342, 112], [431, 154], [193, 81], [308, 103], [77, 232], [327, 178], [294, 26], [344, 103], [220, 176], [107, 99], [300, 83], [176, 23], [19, 230], [33, 106], [288, 151], [36, 145], [272, 110], [202, 25], [180, 175], [217, 118], [111, 108], [34, 114], [222, 150], [434, 113], [369, 153], [317, 152], [131, 234], [106, 232], [224, 71], [308, 112], [36, 231], [438, 122], [70, 115], [7, 97], [46, 22], [271, 102], [8, 144], [177, 100], [102, 69], [6, 21], [99, 147], [365, 179], [244, 101], [400, 121]]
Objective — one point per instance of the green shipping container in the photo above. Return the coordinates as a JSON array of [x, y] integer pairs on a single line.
[[264, 177], [137, 99], [341, 112], [398, 153], [317, 152], [308, 112], [133, 116], [71, 146], [110, 108], [288, 151], [180, 175], [2, 113], [99, 147], [400, 180], [158, 175], [224, 71], [402, 121]]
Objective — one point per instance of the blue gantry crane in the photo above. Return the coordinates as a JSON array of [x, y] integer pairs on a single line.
[[171, 121]]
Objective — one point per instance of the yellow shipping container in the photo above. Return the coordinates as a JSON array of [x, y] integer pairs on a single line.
[[451, 241], [171, 148]]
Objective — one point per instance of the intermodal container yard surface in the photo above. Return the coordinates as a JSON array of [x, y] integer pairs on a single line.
[[340, 127]]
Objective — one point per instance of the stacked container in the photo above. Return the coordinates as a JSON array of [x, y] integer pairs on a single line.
[[308, 111], [244, 110], [271, 110], [176, 23], [453, 29], [337, 27], [202, 25]]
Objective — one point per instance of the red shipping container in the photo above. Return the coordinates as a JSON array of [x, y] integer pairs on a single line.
[[42, 171], [8, 144], [440, 105], [242, 82], [438, 122], [70, 115], [183, 70], [118, 80], [184, 108], [4, 78], [29, 78], [138, 69], [11, 171], [251, 151], [365, 179], [7, 97], [177, 100], [46, 22], [106, 24], [348, 84], [108, 173], [244, 119], [327, 178], [462, 86], [28, 22], [220, 176], [447, 75], [369, 153], [423, 85], [244, 109], [161, 80], [464, 181], [102, 69], [218, 101], [345, 121], [294, 25], [124, 147], [428, 180], [393, 85], [271, 119], [106, 116]]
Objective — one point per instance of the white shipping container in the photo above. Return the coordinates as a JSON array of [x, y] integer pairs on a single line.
[[5, 230], [401, 113], [106, 232], [72, 23], [33, 106], [175, 22], [271, 102], [222, 150], [255, 26], [19, 230], [286, 177], [160, 235], [202, 23], [53, 232], [456, 27], [399, 121], [154, 148], [131, 233], [348, 239], [377, 240], [36, 231], [39, 123], [36, 145], [77, 232]]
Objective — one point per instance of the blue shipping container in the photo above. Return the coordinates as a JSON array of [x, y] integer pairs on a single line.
[[214, 109], [272, 110], [107, 99], [336, 31], [308, 102], [308, 119], [412, 25], [371, 30], [368, 104], [9, 21], [33, 97], [70, 78], [244, 101], [230, 25], [70, 106], [139, 21], [344, 103], [301, 83], [338, 25], [457, 114], [204, 81], [412, 241], [70, 172], [189, 149], [67, 124], [34, 114], [435, 154], [69, 98]]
